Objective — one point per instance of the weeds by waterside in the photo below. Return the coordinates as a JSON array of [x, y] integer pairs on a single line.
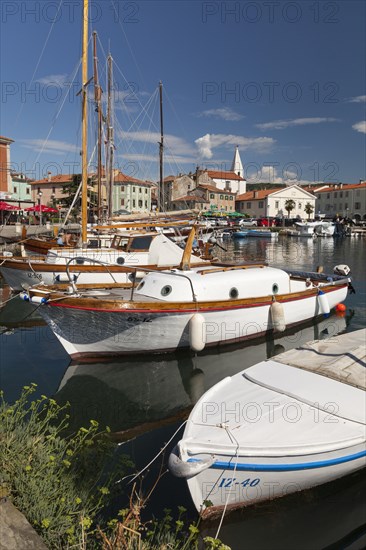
[[63, 484]]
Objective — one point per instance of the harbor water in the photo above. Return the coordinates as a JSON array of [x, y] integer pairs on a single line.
[[145, 400]]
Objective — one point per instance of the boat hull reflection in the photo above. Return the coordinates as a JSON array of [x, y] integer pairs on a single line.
[[131, 396]]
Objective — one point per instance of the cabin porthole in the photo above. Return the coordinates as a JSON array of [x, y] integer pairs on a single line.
[[234, 293], [120, 260], [80, 261], [275, 288], [166, 290]]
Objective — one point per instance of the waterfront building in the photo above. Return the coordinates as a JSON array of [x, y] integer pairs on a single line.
[[131, 194], [21, 189], [5, 178], [206, 197], [271, 202], [50, 191], [342, 200]]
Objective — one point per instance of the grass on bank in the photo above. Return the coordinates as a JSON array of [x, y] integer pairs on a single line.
[[63, 484]]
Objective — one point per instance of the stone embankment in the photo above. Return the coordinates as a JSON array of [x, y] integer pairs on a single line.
[[16, 533]]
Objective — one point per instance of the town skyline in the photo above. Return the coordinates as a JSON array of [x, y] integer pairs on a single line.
[[272, 78]]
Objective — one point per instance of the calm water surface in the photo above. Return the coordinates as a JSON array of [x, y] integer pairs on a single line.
[[145, 400]]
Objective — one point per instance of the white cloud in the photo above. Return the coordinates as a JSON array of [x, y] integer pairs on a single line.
[[50, 146], [360, 126], [55, 80], [270, 174], [357, 99], [208, 142], [282, 124], [224, 113]]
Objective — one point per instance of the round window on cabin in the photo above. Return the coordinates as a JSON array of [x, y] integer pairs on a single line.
[[120, 260], [166, 290], [234, 293], [275, 288], [80, 261]]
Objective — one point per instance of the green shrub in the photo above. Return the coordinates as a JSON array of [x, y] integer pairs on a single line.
[[62, 483], [59, 483]]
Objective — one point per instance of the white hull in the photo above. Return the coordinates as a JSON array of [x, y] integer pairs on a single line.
[[287, 424], [18, 279], [123, 331], [248, 480], [94, 264]]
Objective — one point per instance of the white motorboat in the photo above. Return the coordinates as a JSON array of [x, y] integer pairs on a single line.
[[292, 422], [313, 229]]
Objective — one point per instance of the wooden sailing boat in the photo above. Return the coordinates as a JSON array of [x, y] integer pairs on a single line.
[[186, 307]]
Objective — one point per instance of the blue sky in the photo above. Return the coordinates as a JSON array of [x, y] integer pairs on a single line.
[[283, 80]]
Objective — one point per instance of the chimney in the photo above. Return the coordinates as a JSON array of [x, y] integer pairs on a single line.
[[255, 194], [49, 176]]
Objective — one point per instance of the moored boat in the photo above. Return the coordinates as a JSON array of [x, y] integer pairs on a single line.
[[261, 233], [94, 265], [185, 307], [281, 426]]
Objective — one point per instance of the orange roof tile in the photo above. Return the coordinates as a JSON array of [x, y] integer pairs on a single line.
[[260, 194], [123, 178], [345, 186], [192, 198], [60, 178], [219, 174]]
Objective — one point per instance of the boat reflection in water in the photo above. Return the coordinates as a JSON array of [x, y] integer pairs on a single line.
[[15, 315], [140, 394], [332, 516]]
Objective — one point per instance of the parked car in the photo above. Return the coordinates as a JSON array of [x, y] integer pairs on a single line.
[[248, 222], [265, 222]]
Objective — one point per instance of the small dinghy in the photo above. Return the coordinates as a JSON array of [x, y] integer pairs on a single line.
[[281, 426]]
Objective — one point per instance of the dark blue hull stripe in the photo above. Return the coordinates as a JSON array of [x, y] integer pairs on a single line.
[[219, 465]]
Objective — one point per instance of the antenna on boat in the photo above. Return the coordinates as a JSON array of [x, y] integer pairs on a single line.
[[185, 263], [98, 103], [161, 151], [84, 176]]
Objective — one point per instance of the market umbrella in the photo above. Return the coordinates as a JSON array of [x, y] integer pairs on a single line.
[[41, 208], [235, 214], [7, 206]]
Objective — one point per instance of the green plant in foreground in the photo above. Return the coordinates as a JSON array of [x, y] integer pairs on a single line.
[[59, 483]]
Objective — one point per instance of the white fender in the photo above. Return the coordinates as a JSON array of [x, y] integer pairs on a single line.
[[278, 317], [323, 303], [180, 468], [38, 300], [195, 327], [63, 278]]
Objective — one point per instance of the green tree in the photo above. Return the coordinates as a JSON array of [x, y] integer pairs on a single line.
[[309, 209], [289, 206], [70, 191]]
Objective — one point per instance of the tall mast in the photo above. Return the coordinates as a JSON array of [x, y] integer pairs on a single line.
[[110, 137], [84, 175], [161, 152], [97, 99]]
